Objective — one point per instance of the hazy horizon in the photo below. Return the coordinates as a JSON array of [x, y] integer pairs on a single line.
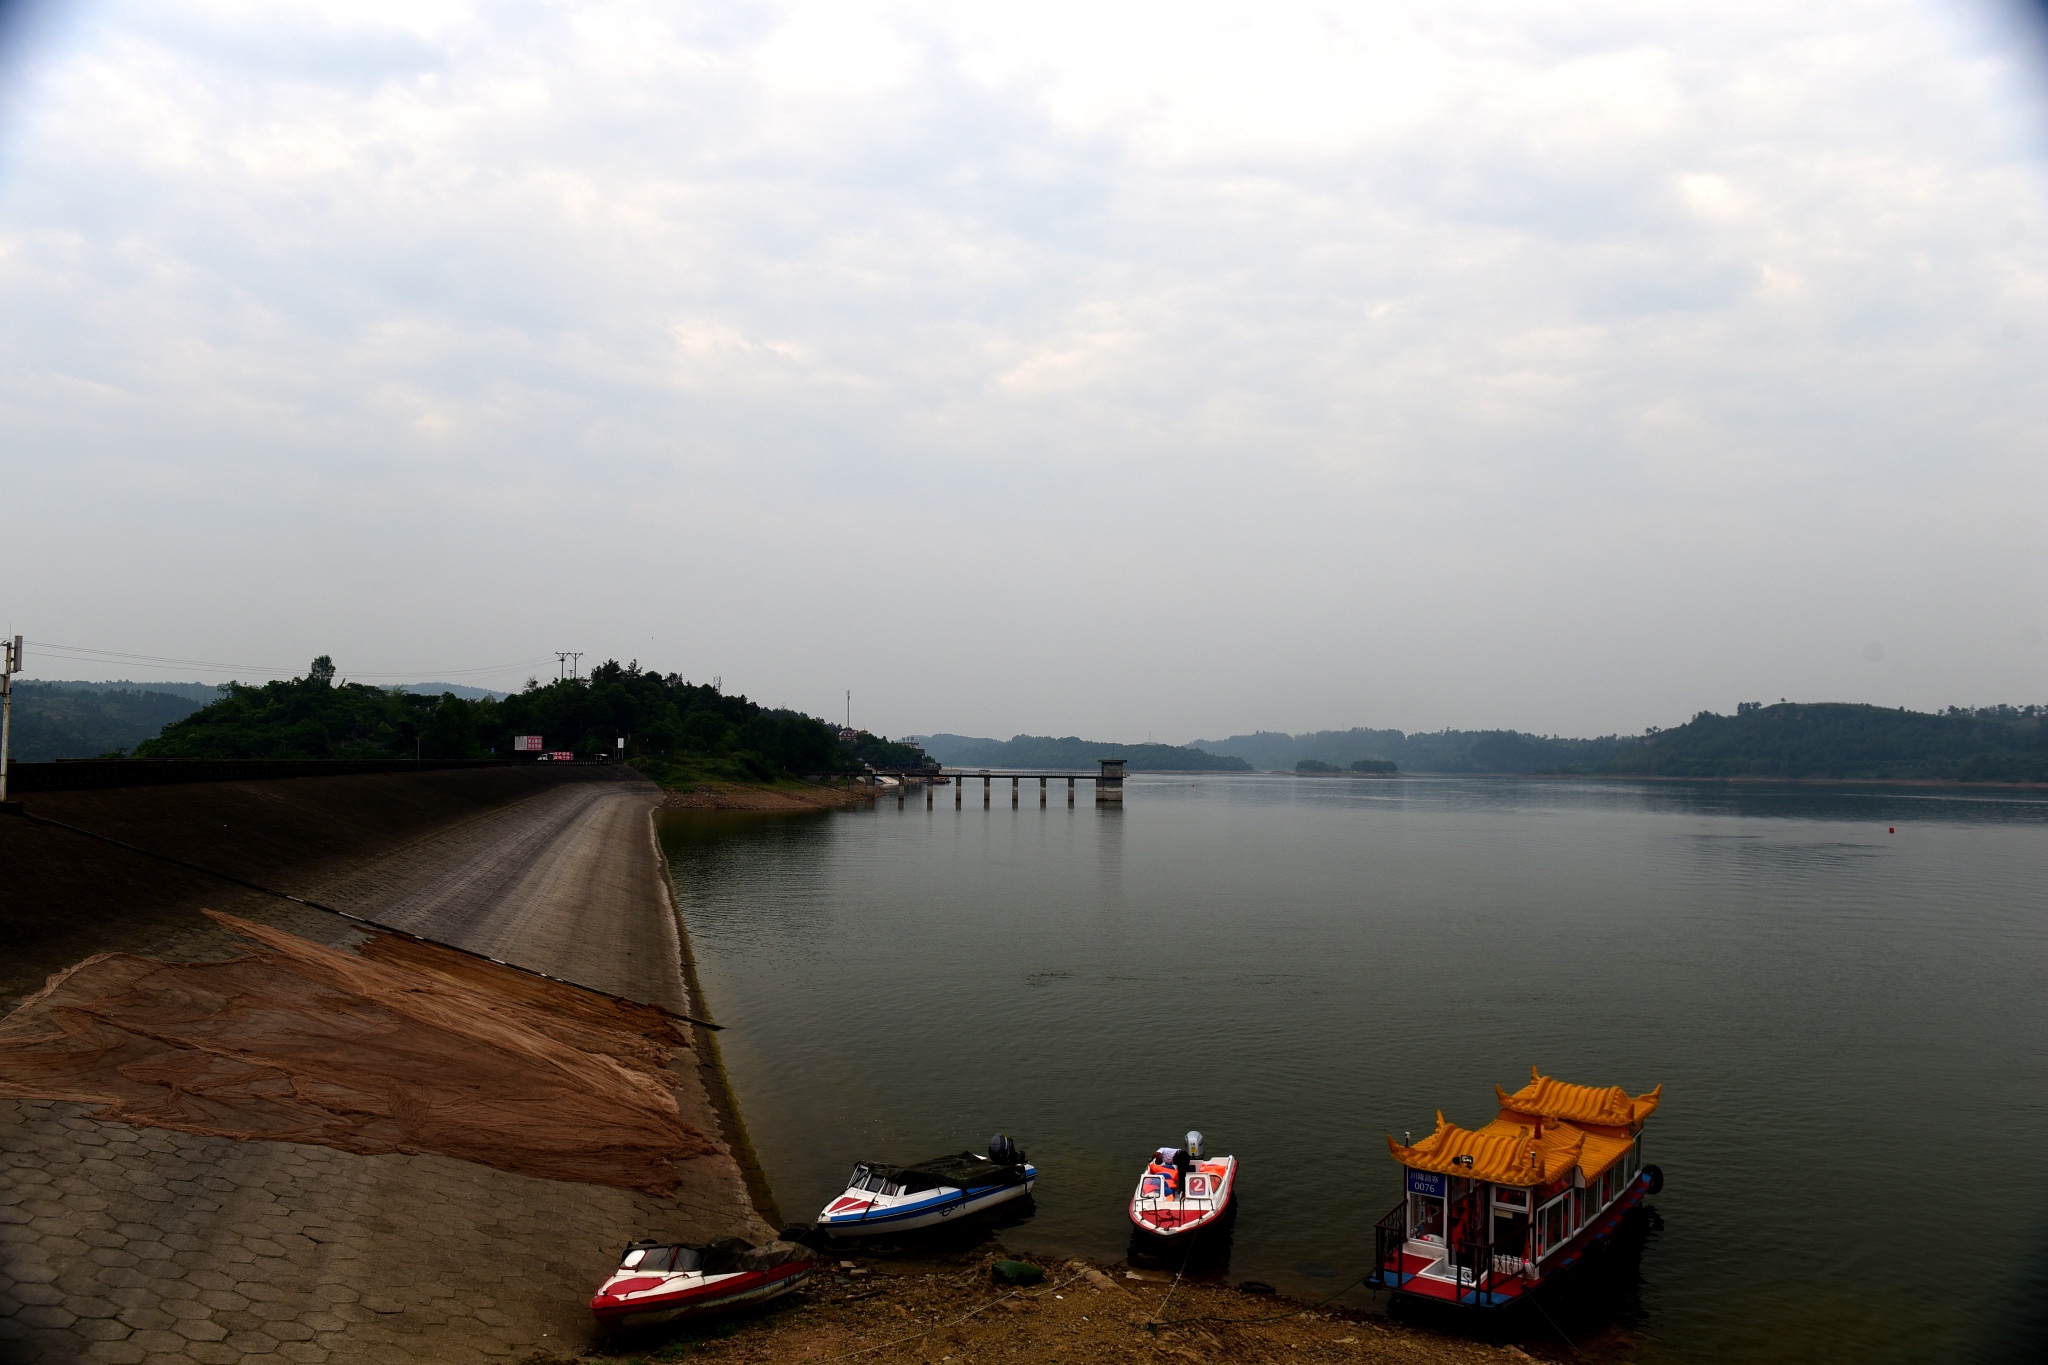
[[1099, 370]]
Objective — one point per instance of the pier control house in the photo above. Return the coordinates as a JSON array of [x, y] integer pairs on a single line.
[[1491, 1212]]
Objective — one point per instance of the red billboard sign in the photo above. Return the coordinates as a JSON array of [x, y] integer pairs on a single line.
[[526, 744]]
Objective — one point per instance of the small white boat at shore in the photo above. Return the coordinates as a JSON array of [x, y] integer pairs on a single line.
[[659, 1282], [1182, 1191], [882, 1198]]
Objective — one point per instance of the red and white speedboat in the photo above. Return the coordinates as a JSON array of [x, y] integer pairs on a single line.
[[1182, 1191], [660, 1282]]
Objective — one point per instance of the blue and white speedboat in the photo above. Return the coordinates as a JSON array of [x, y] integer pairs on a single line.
[[882, 1198]]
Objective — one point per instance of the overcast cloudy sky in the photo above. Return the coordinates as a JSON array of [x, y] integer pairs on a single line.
[[1119, 369]]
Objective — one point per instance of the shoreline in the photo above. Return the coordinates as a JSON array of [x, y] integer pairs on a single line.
[[762, 796], [949, 1307], [710, 1061]]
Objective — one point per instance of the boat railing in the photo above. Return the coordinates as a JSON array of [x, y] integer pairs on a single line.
[[1389, 1235], [1479, 1265]]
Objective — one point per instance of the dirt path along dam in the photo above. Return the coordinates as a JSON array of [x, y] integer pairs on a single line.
[[128, 1242]]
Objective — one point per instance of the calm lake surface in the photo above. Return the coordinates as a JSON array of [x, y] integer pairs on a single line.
[[1850, 1025]]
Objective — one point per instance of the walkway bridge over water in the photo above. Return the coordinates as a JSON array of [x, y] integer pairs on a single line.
[[1108, 780]]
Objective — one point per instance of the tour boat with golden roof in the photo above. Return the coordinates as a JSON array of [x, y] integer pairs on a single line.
[[1492, 1212]]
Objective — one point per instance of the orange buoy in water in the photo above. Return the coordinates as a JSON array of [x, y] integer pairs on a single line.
[[1891, 829]]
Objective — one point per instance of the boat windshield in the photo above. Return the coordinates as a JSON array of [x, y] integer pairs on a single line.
[[653, 1259], [873, 1182]]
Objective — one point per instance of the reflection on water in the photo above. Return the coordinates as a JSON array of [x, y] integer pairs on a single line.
[[1847, 1022]]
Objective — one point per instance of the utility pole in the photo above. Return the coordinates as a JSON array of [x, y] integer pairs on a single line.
[[9, 666], [568, 663], [849, 708], [575, 663], [561, 665]]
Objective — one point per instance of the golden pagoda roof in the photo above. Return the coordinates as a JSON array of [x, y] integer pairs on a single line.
[[1503, 1152], [1543, 1130], [1546, 1097]]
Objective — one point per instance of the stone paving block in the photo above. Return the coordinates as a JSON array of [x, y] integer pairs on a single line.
[[101, 1329], [91, 1306], [146, 1315], [37, 1293], [213, 1353], [302, 1352], [45, 1315], [111, 1353], [200, 1329], [186, 1310], [160, 1342]]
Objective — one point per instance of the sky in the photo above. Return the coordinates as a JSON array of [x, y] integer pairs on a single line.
[[1122, 369]]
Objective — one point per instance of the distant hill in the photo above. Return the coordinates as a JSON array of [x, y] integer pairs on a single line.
[[435, 689], [84, 720], [1043, 751], [1840, 739], [1434, 751], [202, 693]]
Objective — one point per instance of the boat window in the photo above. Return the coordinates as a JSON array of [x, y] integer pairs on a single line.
[[688, 1258], [1550, 1225], [1511, 1199], [858, 1179], [1151, 1187], [891, 1187], [1511, 1233], [1426, 1217], [647, 1258]]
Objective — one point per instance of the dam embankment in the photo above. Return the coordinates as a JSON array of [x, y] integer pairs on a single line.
[[65, 897], [176, 1241]]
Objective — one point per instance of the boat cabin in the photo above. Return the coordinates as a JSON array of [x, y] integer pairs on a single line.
[[1490, 1212]]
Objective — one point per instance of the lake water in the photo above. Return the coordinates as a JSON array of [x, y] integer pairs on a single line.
[[1849, 1023]]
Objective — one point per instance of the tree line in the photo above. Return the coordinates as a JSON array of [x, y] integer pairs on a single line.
[[672, 727]]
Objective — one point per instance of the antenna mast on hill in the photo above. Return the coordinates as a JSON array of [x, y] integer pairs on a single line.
[[849, 708]]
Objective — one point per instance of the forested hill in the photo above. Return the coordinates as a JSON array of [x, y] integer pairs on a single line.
[[1434, 751], [1043, 751], [1839, 739], [671, 727], [1788, 740], [84, 720]]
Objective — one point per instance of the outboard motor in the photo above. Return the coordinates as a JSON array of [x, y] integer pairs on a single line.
[[1004, 1152], [1194, 1144]]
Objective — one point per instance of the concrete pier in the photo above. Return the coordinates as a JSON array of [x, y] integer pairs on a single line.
[[1108, 780]]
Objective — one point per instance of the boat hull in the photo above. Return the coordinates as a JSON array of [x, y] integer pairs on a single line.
[[690, 1296], [943, 1206], [1170, 1219], [1413, 1282]]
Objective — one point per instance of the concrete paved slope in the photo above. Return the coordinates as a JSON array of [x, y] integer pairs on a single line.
[[126, 1245], [566, 882]]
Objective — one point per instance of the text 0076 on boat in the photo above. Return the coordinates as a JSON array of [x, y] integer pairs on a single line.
[[882, 1198], [1490, 1213]]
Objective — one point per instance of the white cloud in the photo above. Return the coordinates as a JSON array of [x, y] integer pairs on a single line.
[[1562, 365]]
